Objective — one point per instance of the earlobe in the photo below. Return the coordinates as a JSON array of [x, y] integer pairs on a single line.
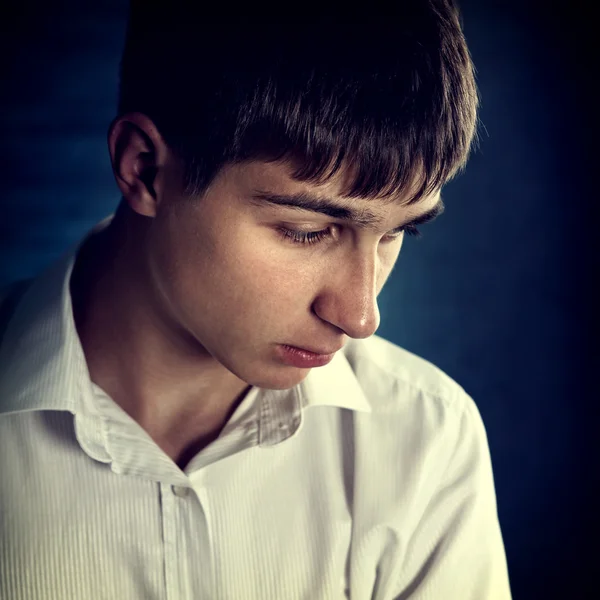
[[134, 162]]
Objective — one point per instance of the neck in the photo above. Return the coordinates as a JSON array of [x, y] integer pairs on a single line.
[[146, 362]]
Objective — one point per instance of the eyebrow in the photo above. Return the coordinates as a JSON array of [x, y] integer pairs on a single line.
[[326, 206]]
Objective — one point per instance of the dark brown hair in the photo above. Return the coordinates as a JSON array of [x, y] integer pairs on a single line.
[[393, 99]]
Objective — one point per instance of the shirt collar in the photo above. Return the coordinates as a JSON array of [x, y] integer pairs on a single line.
[[42, 361], [40, 355], [333, 385]]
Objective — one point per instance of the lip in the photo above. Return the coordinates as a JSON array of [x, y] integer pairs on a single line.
[[312, 351], [302, 357]]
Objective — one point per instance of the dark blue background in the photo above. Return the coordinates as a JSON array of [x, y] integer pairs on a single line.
[[499, 293]]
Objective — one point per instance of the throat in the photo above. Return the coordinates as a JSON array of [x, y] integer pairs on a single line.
[[181, 443], [176, 391], [182, 452]]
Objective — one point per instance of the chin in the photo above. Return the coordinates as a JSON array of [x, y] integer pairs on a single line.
[[263, 373], [281, 378]]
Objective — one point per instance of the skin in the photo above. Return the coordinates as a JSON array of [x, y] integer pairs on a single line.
[[180, 303]]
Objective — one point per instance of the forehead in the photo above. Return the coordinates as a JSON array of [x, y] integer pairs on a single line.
[[277, 177]]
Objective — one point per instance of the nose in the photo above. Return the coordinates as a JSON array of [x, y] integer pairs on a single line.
[[348, 299]]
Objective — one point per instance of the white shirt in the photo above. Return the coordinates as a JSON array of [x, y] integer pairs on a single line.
[[370, 479]]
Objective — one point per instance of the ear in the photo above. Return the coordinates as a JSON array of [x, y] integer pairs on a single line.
[[138, 155]]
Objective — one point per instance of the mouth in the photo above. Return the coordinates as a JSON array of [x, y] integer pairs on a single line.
[[319, 352], [303, 357]]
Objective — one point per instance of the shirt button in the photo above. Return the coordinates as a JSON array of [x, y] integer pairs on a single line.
[[181, 491]]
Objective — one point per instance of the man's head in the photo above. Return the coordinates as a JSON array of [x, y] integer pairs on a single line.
[[237, 140], [391, 98]]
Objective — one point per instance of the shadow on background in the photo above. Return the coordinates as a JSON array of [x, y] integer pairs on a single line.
[[499, 293]]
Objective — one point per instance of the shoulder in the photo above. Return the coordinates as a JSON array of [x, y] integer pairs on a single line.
[[416, 406], [9, 298], [392, 377], [410, 395]]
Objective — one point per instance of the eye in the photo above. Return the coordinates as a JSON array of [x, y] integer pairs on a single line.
[[407, 229], [314, 237], [304, 237]]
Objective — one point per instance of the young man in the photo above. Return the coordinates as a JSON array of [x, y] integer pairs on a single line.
[[194, 403]]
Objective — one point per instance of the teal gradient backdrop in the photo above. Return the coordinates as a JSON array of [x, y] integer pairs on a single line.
[[499, 292]]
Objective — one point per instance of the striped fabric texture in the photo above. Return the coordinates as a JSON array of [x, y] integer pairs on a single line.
[[369, 480]]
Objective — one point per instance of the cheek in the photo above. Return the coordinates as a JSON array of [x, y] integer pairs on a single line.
[[272, 277], [181, 258], [234, 272], [248, 275]]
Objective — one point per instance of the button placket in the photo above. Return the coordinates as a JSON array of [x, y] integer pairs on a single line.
[[181, 491]]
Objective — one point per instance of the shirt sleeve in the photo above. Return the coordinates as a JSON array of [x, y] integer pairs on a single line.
[[456, 550]]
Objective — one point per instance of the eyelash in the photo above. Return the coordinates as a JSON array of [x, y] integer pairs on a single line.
[[314, 237]]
